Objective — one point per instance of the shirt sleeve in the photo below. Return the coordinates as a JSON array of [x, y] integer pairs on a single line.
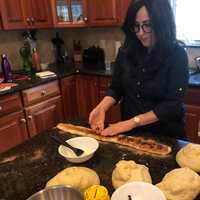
[[171, 107], [115, 89]]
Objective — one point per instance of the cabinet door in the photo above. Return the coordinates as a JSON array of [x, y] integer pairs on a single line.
[[193, 123], [69, 13], [113, 114], [124, 4], [87, 93], [12, 13], [68, 89], [44, 115], [104, 12], [13, 130], [41, 15]]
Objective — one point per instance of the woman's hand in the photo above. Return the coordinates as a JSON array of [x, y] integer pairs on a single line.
[[117, 128], [96, 119]]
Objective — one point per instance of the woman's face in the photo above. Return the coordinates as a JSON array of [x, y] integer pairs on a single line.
[[143, 28]]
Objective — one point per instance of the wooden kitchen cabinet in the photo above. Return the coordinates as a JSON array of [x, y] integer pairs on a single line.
[[22, 14], [13, 129], [192, 106], [43, 107], [68, 90], [90, 90], [114, 114], [69, 13], [87, 93], [193, 123], [124, 4], [44, 115], [104, 12]]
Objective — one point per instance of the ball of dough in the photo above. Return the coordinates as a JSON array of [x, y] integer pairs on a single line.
[[128, 171], [180, 184], [80, 178], [189, 156]]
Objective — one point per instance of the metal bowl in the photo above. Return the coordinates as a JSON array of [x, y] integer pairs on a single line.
[[58, 192]]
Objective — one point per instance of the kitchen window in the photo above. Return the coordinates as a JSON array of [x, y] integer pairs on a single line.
[[187, 17]]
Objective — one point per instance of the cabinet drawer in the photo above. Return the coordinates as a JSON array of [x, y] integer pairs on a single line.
[[40, 93], [10, 103]]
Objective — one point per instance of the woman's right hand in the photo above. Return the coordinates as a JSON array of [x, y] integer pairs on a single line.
[[96, 119]]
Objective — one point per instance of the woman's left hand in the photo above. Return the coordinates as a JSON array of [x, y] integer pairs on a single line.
[[117, 128]]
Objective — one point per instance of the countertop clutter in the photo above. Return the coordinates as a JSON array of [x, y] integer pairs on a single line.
[[67, 69], [26, 168], [61, 71]]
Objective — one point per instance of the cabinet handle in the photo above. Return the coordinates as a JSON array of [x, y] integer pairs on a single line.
[[43, 92], [1, 108], [28, 21], [23, 120], [32, 20], [30, 117], [85, 19]]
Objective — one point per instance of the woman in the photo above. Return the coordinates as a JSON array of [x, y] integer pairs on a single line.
[[150, 75]]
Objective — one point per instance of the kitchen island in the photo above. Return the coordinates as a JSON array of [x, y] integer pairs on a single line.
[[26, 168]]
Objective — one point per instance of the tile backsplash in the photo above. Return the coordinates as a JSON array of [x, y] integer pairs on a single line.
[[12, 41]]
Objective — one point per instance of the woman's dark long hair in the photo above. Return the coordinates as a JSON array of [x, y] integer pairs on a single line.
[[164, 28]]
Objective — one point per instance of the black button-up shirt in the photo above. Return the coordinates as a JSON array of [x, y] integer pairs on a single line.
[[161, 89]]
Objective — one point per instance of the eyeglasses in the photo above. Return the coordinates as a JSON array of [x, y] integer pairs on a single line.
[[146, 27]]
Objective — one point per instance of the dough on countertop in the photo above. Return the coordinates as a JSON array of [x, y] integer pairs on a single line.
[[80, 178], [128, 171], [189, 156], [180, 184]]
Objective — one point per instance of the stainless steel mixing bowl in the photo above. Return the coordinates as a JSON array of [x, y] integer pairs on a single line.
[[57, 193]]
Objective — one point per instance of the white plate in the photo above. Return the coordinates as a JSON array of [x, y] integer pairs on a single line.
[[138, 191]]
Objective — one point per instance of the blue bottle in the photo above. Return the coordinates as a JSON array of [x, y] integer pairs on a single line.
[[6, 68]]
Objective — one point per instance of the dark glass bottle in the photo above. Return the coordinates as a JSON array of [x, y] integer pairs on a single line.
[[6, 68], [26, 55]]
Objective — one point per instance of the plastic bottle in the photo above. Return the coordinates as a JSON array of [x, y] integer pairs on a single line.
[[36, 60], [6, 68]]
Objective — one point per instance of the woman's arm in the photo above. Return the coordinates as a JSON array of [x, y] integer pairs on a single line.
[[127, 125]]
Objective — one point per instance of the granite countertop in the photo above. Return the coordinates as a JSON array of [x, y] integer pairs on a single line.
[[61, 70], [26, 168], [67, 69]]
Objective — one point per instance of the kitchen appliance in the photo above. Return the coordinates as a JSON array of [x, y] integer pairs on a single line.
[[57, 193], [93, 55]]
